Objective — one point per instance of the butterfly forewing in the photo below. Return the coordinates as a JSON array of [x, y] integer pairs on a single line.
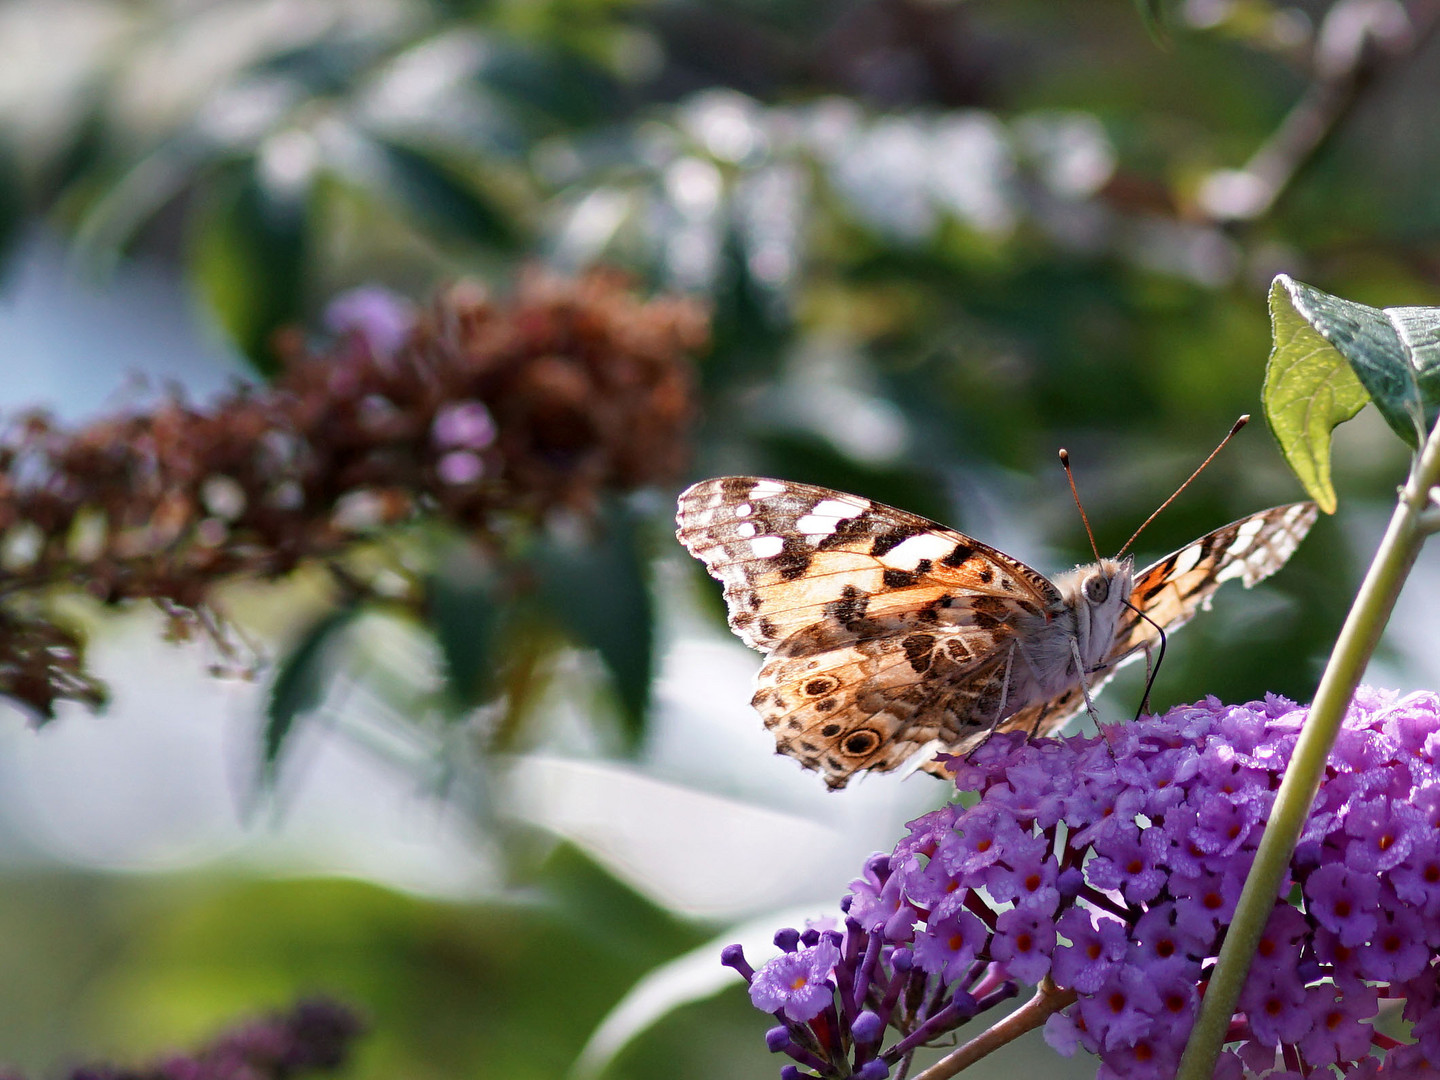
[[1172, 590], [887, 633], [798, 558]]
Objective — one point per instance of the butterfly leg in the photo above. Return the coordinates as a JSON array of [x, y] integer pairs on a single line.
[[1039, 720], [1150, 674], [1004, 688], [1084, 682], [1004, 698]]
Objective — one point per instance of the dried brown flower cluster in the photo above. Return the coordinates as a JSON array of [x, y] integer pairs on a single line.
[[475, 411]]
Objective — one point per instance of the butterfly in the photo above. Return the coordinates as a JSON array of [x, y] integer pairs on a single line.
[[887, 634]]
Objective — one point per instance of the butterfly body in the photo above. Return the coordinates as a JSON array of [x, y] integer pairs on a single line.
[[887, 634], [1077, 636]]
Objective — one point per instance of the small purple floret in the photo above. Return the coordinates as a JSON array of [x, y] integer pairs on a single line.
[[867, 1027], [797, 983]]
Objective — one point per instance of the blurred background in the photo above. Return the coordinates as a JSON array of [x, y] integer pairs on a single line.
[[932, 241]]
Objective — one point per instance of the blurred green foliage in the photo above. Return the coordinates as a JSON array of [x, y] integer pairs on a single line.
[[494, 990], [940, 240]]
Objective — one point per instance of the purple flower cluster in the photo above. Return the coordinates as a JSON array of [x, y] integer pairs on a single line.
[[1109, 868], [312, 1036]]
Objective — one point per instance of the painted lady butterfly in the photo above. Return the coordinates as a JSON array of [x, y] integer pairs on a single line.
[[887, 634]]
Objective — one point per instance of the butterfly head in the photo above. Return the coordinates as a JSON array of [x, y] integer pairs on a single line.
[[1095, 595], [1101, 582]]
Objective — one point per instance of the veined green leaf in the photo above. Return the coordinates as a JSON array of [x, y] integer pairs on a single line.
[[1309, 390], [1330, 356], [1419, 332]]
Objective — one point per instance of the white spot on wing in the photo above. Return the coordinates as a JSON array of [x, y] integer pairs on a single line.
[[746, 529], [1237, 569], [766, 547], [907, 554], [1241, 543], [826, 515], [1186, 560], [743, 510], [765, 489], [1245, 536], [812, 525], [840, 508]]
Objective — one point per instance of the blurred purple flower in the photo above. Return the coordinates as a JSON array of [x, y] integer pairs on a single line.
[[314, 1035], [460, 467], [381, 318], [463, 425]]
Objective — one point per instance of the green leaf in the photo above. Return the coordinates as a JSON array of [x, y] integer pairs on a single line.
[[442, 197], [1156, 19], [694, 976], [1365, 338], [1330, 356], [1395, 352], [247, 254], [1419, 332], [554, 87], [300, 684], [467, 617], [599, 593], [1309, 390]]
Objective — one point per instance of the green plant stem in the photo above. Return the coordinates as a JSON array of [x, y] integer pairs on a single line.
[[1358, 638]]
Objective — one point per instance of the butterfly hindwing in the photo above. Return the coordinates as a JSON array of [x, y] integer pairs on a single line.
[[874, 703]]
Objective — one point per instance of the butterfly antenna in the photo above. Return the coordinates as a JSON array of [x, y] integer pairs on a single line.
[[1065, 464], [1160, 659], [1234, 428]]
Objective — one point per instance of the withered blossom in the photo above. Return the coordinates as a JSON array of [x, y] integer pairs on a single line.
[[486, 414]]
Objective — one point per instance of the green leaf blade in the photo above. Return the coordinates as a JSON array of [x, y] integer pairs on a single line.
[[1309, 390], [1368, 341], [441, 195], [1395, 352], [470, 622], [299, 685], [248, 250], [1419, 331], [600, 593]]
